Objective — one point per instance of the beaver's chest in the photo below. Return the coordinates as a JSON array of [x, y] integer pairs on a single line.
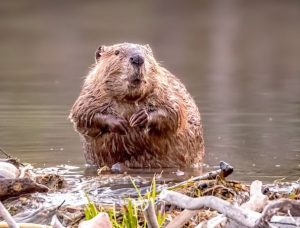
[[126, 110]]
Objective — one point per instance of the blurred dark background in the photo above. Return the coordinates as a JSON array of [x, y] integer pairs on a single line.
[[239, 59]]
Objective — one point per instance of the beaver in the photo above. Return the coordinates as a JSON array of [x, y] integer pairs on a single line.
[[133, 111]]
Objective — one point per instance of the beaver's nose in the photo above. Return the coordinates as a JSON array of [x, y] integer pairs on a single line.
[[137, 60]]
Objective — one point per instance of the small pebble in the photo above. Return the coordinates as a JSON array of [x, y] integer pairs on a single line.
[[119, 168], [179, 173]]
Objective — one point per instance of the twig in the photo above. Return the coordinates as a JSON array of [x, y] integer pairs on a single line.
[[214, 188], [10, 159], [150, 216], [7, 217], [224, 171], [3, 152], [182, 218]]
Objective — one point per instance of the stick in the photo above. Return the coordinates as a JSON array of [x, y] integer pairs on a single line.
[[182, 218], [150, 216], [19, 186], [224, 171], [7, 217], [3, 152], [9, 158]]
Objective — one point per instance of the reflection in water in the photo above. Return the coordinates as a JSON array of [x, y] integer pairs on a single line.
[[240, 60]]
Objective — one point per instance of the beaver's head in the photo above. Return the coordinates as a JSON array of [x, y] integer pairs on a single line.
[[126, 71]]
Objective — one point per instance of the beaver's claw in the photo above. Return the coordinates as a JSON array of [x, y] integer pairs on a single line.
[[139, 118], [119, 126], [110, 123]]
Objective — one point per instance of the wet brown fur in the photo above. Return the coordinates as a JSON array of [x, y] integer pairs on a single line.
[[170, 132]]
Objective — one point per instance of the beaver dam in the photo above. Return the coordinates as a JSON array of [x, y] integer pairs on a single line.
[[53, 197]]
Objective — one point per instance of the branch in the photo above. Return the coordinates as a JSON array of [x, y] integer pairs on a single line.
[[243, 217], [7, 217], [224, 171], [239, 215], [19, 186], [150, 216], [281, 205], [257, 200], [182, 218]]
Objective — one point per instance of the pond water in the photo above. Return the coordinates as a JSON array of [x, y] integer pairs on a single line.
[[239, 60]]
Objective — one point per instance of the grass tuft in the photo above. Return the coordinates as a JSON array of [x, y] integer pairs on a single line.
[[130, 215]]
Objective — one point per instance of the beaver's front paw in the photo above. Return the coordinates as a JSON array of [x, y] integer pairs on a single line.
[[117, 125], [110, 123], [139, 118]]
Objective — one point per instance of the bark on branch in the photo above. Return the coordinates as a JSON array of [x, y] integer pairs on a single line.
[[19, 186]]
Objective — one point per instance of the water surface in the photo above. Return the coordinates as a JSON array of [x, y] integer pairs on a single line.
[[239, 60]]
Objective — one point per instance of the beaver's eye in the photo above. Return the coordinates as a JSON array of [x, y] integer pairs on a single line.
[[117, 52]]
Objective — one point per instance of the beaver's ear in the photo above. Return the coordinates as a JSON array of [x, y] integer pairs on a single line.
[[99, 52]]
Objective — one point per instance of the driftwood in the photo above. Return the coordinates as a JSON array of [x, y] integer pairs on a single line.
[[8, 170], [218, 221], [7, 217], [243, 217], [19, 186], [257, 200], [222, 206], [282, 205], [182, 218], [150, 216]]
